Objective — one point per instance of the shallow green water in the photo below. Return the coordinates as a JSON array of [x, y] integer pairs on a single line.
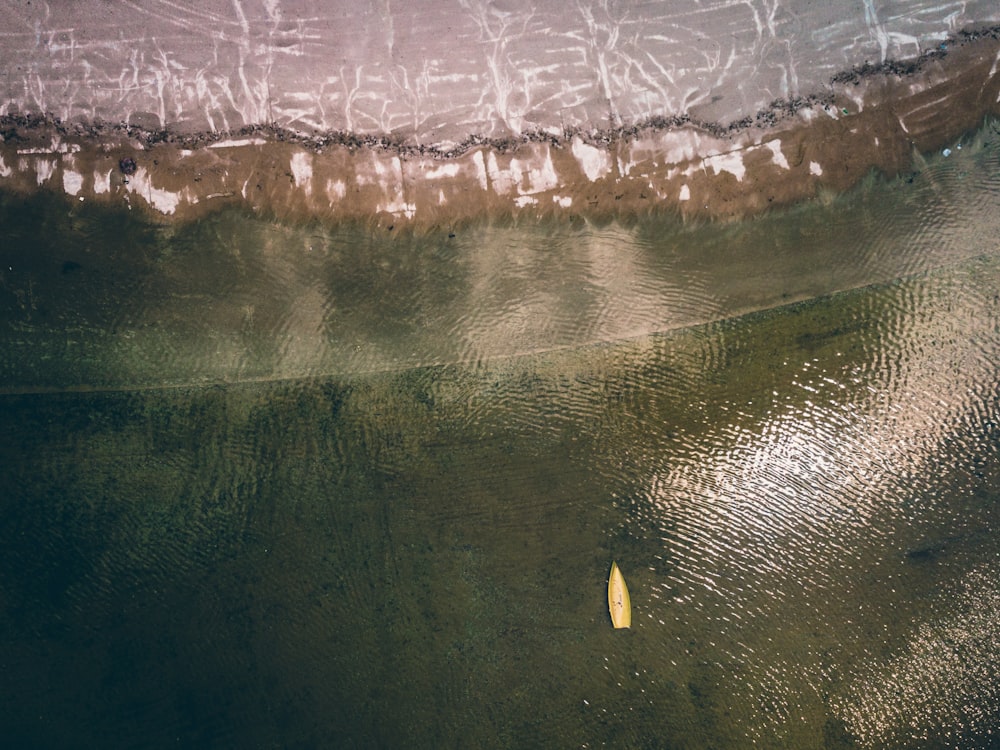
[[271, 486]]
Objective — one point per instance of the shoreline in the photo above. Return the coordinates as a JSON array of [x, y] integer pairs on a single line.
[[873, 117]]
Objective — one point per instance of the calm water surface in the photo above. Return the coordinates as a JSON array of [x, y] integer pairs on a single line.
[[275, 486]]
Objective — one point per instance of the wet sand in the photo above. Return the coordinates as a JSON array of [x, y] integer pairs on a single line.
[[874, 117], [438, 71]]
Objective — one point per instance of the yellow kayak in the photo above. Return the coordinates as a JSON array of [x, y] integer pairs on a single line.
[[618, 601]]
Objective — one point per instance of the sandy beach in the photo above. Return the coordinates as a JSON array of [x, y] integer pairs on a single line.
[[581, 129]]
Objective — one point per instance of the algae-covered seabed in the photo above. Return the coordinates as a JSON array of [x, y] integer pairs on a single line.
[[291, 486]]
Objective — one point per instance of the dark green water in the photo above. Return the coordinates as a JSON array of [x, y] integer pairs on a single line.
[[271, 486]]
